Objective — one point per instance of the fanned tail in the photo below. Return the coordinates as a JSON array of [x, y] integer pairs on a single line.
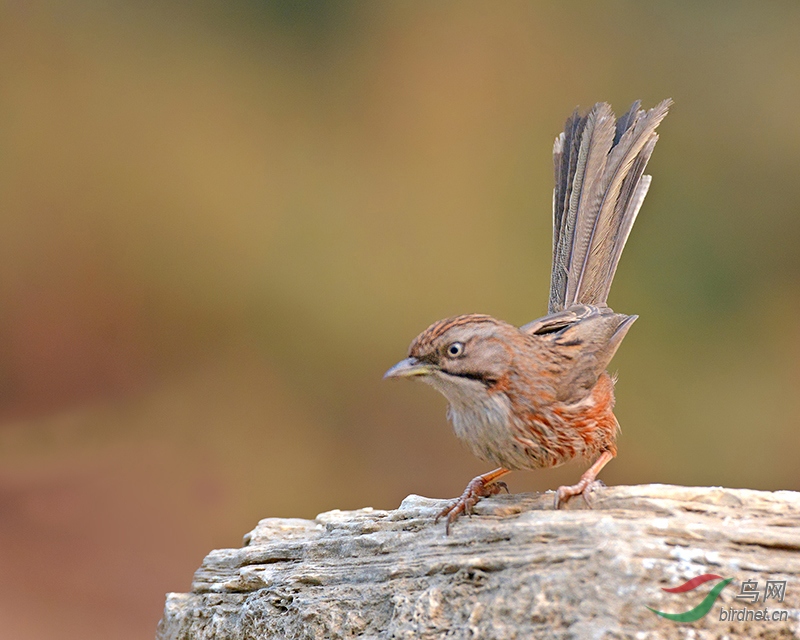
[[600, 186]]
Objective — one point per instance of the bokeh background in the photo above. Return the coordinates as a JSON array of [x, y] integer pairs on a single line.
[[220, 223]]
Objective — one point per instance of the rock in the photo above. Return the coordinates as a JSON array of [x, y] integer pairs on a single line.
[[517, 569]]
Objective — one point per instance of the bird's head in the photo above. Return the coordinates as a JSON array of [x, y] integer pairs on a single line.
[[456, 353]]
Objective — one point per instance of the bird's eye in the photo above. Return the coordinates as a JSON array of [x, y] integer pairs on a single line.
[[455, 349]]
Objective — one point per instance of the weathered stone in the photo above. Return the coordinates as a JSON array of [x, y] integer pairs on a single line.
[[518, 569]]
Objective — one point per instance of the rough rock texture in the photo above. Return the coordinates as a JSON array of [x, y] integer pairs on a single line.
[[518, 569]]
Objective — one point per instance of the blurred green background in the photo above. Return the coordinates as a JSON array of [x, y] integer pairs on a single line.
[[220, 223]]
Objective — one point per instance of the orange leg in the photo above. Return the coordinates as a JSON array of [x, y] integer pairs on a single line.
[[481, 487], [584, 485]]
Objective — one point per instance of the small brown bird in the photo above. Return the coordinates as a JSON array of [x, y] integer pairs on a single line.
[[539, 395]]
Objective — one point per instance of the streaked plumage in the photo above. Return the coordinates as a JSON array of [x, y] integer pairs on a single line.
[[539, 395]]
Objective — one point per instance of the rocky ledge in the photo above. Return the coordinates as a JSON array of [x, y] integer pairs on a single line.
[[517, 569]]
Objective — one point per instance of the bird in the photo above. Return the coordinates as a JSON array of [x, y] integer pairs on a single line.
[[538, 396]]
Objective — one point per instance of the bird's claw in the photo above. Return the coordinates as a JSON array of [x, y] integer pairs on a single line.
[[585, 487], [477, 488]]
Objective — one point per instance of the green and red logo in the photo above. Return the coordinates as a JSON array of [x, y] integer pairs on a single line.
[[701, 609]]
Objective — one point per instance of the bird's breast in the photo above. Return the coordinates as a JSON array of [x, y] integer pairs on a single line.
[[480, 418]]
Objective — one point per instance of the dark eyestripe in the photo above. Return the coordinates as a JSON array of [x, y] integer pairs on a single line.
[[472, 376]]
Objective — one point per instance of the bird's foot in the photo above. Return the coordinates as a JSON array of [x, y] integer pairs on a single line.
[[585, 487], [480, 487], [587, 483]]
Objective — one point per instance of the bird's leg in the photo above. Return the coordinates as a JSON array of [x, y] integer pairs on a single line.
[[481, 487], [586, 483]]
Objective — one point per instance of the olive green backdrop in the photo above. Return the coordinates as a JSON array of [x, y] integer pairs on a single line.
[[220, 223]]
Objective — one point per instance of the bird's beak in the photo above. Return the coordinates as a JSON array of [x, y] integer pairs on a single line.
[[408, 368]]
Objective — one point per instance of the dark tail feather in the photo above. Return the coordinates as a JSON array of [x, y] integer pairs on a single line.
[[600, 187]]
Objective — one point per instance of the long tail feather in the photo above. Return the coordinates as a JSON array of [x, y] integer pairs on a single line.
[[565, 159], [587, 192], [600, 187]]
